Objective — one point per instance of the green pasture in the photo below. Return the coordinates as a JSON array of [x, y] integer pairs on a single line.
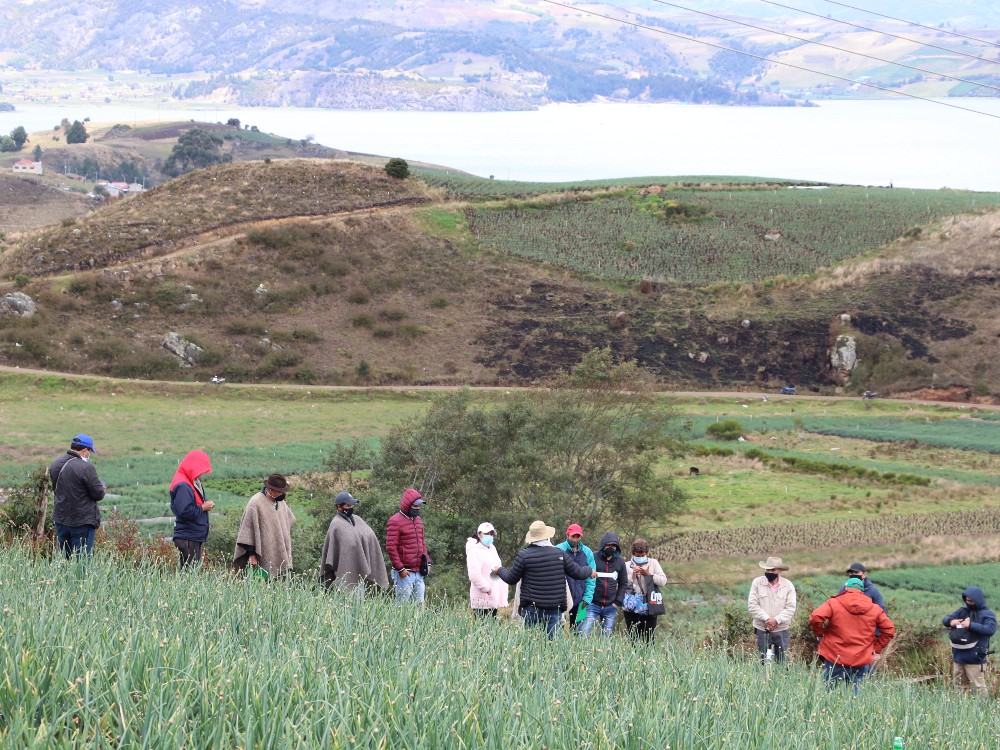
[[739, 235], [125, 657]]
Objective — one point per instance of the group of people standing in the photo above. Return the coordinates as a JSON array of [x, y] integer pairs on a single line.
[[566, 579], [552, 581], [853, 627]]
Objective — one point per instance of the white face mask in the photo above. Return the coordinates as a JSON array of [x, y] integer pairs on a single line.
[[86, 458]]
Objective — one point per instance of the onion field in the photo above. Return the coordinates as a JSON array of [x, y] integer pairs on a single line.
[[116, 656], [751, 234]]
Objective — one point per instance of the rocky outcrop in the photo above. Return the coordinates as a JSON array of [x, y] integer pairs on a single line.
[[18, 304], [844, 358], [188, 353]]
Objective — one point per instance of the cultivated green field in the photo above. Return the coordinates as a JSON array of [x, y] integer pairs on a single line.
[[125, 657], [697, 236]]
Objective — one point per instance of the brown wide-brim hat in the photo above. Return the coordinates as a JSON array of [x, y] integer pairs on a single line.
[[278, 483], [538, 532], [773, 563]]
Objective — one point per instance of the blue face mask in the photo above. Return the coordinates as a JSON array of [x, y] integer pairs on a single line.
[[640, 560], [487, 540]]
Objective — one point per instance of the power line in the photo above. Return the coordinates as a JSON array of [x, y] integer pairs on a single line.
[[578, 9], [912, 23], [883, 32], [829, 46]]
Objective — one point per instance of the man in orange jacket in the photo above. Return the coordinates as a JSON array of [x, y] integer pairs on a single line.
[[846, 625]]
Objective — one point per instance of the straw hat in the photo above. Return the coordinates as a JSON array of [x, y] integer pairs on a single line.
[[538, 531], [773, 563]]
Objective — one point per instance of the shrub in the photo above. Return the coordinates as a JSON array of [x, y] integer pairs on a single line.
[[363, 371], [397, 168], [21, 280], [411, 332], [393, 314], [364, 320], [245, 328], [382, 333], [439, 302], [358, 296], [727, 429]]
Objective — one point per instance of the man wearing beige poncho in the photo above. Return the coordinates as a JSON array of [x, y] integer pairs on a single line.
[[265, 535]]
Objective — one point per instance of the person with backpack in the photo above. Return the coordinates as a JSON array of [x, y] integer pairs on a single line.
[[609, 588], [853, 630], [407, 550], [970, 627], [643, 573]]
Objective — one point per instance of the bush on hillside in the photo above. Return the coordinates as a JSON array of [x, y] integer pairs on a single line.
[[397, 168], [727, 429]]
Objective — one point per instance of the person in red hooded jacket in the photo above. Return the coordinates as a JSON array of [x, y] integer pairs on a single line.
[[189, 506], [407, 550], [853, 631]]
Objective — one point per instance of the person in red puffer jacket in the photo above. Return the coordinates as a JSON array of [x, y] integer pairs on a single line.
[[407, 550]]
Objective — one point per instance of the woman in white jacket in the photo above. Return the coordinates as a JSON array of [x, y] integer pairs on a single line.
[[487, 592], [639, 567]]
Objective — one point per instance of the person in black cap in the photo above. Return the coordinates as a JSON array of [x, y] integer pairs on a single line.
[[857, 570], [351, 555], [78, 490], [264, 539]]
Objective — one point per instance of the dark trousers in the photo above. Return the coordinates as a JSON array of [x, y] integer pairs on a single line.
[[778, 638], [190, 551], [641, 627], [834, 673], [484, 614], [539, 615], [75, 539]]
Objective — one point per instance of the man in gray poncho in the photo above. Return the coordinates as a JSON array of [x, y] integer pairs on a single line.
[[264, 539], [351, 556]]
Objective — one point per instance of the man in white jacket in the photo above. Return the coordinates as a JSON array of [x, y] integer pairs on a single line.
[[772, 606]]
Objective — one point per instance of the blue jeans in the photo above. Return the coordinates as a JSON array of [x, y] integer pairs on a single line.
[[834, 673], [596, 612], [537, 615], [75, 539], [409, 589]]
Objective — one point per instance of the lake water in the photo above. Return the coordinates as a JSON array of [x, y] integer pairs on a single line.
[[909, 143]]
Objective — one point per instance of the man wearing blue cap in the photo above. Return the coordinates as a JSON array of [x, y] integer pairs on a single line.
[[78, 490]]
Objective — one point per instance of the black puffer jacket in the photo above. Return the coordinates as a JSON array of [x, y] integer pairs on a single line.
[[542, 572], [612, 576], [77, 490]]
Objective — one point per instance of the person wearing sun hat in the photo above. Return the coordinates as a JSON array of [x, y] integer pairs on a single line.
[[542, 570], [487, 592], [77, 490], [581, 591], [264, 539], [772, 605], [853, 630]]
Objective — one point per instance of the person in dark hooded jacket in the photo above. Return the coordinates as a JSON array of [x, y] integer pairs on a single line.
[[971, 627], [609, 591], [187, 501], [407, 550]]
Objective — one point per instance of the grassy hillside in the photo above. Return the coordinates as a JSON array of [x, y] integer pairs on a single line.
[[327, 271]]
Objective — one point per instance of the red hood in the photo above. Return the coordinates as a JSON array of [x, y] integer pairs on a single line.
[[408, 498], [855, 602], [192, 466]]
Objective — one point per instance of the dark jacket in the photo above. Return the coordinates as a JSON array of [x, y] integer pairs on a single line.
[[77, 490], [404, 536], [187, 497], [612, 576], [982, 623], [581, 591], [872, 592], [542, 572]]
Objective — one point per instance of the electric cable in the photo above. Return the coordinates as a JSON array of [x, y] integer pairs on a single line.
[[830, 46], [913, 23], [883, 32], [655, 30]]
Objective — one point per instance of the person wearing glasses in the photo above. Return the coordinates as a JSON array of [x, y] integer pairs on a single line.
[[487, 592], [772, 605], [581, 591], [643, 571], [264, 540]]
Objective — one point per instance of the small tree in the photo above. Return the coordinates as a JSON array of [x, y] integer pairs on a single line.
[[195, 148], [20, 136], [7, 144], [233, 122], [397, 168], [77, 133], [37, 153], [727, 429]]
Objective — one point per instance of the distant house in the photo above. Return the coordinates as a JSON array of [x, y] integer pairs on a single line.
[[116, 189], [27, 166]]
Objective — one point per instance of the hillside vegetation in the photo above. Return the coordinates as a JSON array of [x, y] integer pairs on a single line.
[[329, 271]]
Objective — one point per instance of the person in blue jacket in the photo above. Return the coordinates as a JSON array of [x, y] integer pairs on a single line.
[[970, 629], [582, 555], [190, 508], [857, 570]]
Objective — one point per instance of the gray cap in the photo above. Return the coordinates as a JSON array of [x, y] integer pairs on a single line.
[[345, 498]]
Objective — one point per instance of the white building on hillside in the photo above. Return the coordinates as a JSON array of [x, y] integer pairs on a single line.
[[27, 166]]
